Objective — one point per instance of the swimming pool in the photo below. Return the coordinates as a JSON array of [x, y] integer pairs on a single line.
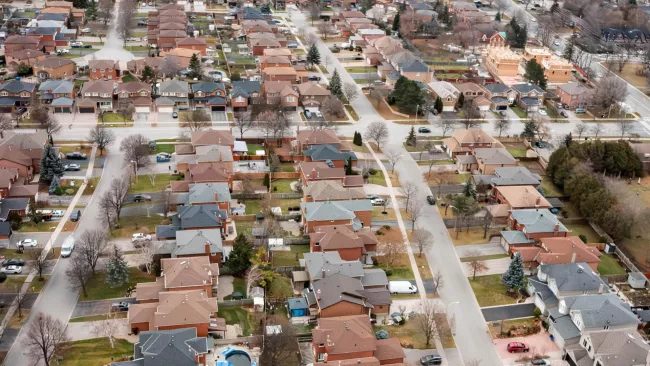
[[237, 357]]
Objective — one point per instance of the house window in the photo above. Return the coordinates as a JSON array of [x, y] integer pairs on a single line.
[[240, 99], [105, 95], [316, 244], [143, 93], [606, 327], [291, 99], [102, 70], [449, 99], [4, 94], [584, 343], [95, 94], [321, 357], [25, 95]]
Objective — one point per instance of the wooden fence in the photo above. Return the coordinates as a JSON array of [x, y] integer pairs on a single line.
[[241, 302]]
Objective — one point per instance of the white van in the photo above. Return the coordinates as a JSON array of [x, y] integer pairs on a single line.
[[402, 287], [67, 247]]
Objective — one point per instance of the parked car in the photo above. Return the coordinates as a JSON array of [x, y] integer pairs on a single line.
[[372, 197], [565, 106], [141, 197], [580, 111], [12, 269], [142, 23], [402, 287], [163, 157], [21, 110], [502, 113], [67, 247], [517, 347], [58, 213], [424, 130], [131, 39], [76, 44], [72, 167], [175, 115], [120, 306], [308, 114], [88, 46], [542, 144], [76, 156], [431, 360], [13, 262], [542, 112], [431, 200], [564, 114], [76, 215], [140, 237], [62, 51], [378, 202], [85, 30], [318, 114], [540, 362], [27, 243]]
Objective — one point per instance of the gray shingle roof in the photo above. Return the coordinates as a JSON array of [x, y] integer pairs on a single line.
[[17, 86], [565, 327], [498, 156], [57, 86], [497, 88], [601, 310], [337, 288], [328, 152], [174, 86], [538, 220], [509, 176], [199, 216], [544, 293], [62, 102], [177, 347], [245, 88], [415, 66], [374, 277], [193, 242], [339, 210], [328, 263], [5, 228], [166, 231], [527, 88], [205, 192], [573, 277], [619, 348], [515, 237], [12, 204], [207, 87]]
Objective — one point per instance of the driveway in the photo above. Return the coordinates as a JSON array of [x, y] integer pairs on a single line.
[[99, 307], [219, 116], [40, 237], [85, 330], [413, 356], [142, 117], [516, 311], [538, 343], [225, 287], [494, 266], [482, 249]]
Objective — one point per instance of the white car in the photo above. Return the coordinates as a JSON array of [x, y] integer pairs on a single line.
[[58, 213], [318, 114], [27, 243], [556, 43], [378, 202], [131, 39], [62, 51], [12, 269], [542, 112], [76, 44], [140, 237], [85, 30]]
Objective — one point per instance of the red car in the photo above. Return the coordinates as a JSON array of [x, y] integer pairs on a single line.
[[517, 347]]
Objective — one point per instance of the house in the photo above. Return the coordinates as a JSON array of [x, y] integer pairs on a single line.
[[351, 340], [54, 68], [319, 265], [210, 95], [274, 61], [415, 70], [23, 152], [500, 96], [447, 92], [195, 243], [316, 171], [357, 213], [194, 44], [58, 95], [574, 95], [609, 348], [312, 96], [463, 142], [331, 155], [212, 137], [103, 69], [243, 92], [339, 295], [281, 92], [96, 95], [208, 216], [501, 61], [16, 93], [136, 67], [489, 159], [17, 43], [331, 190], [556, 69], [25, 57], [180, 56], [470, 90], [509, 176], [137, 93], [525, 227], [158, 347], [210, 194], [209, 173], [273, 73], [306, 139], [351, 245], [562, 250], [176, 91], [529, 96], [520, 197]]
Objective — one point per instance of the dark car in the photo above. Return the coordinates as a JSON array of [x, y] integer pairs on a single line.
[[502, 113], [141, 198], [21, 110], [542, 144], [517, 347], [540, 362], [431, 200], [88, 46], [76, 215], [431, 360], [564, 114], [120, 306], [424, 130], [13, 262], [142, 23], [76, 156]]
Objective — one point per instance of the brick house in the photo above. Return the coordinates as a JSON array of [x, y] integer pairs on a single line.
[[281, 92], [22, 152], [529, 96], [16, 93], [349, 244], [330, 155], [195, 243], [243, 92], [137, 93], [317, 171], [520, 197], [280, 74], [274, 61], [306, 139], [210, 95], [463, 142], [54, 68], [357, 213], [500, 96], [181, 345], [209, 173], [525, 227], [470, 91], [490, 159], [562, 250], [339, 295], [26, 57], [261, 44], [312, 96], [447, 92], [58, 95], [331, 190], [180, 56], [96, 95], [574, 95], [103, 70], [17, 43], [212, 137], [137, 66], [194, 44]]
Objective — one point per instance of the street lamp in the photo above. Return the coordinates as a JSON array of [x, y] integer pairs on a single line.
[[135, 170], [453, 331]]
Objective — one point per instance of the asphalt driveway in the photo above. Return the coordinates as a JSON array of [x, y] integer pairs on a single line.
[[99, 307], [516, 311]]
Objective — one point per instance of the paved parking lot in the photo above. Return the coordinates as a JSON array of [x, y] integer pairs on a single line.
[[99, 307], [40, 237]]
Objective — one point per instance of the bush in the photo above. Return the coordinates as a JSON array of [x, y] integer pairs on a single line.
[[275, 188], [386, 227], [402, 321], [336, 50], [372, 171], [389, 272], [602, 240], [583, 237], [15, 219], [382, 334], [537, 312], [3, 277], [374, 261], [69, 191]]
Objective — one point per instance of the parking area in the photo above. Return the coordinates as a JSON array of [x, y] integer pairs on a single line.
[[219, 116], [99, 307], [40, 237], [537, 343]]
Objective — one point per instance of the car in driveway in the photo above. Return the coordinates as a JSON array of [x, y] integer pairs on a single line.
[[76, 156], [141, 197], [542, 144], [13, 262], [542, 112], [88, 46], [431, 360], [76, 44], [540, 362], [431, 200], [62, 51], [120, 306], [72, 167], [175, 115], [140, 237], [424, 130], [12, 269], [378, 202], [517, 347], [564, 114], [308, 114], [27, 243], [318, 114]]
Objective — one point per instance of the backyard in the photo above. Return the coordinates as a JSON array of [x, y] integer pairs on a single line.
[[236, 315], [489, 291], [96, 352], [97, 289], [288, 258], [516, 149], [609, 265]]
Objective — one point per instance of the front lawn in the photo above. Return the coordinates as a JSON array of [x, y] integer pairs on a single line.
[[282, 185], [489, 291], [475, 236], [288, 167], [143, 185], [361, 69], [401, 267], [236, 315], [608, 265], [97, 288], [519, 111], [96, 352], [137, 224], [516, 150], [411, 334], [378, 178], [168, 148], [112, 117], [289, 258]]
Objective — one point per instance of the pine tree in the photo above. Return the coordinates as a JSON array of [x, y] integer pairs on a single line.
[[410, 139], [147, 73], [265, 9], [396, 23], [461, 101], [514, 278], [267, 180], [194, 67], [239, 258], [348, 167], [55, 185], [530, 128], [497, 18], [51, 164], [91, 10], [35, 216], [569, 47], [438, 106], [357, 140], [535, 73], [469, 189], [568, 139], [313, 56], [117, 270], [335, 85]]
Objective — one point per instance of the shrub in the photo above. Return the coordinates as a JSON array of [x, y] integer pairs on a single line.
[[389, 272], [537, 312], [583, 237], [3, 277], [382, 334], [386, 227], [379, 232], [374, 261], [275, 188], [372, 171], [602, 240], [336, 50], [69, 191], [402, 321]]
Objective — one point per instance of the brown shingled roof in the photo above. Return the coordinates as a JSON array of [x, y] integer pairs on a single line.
[[190, 271], [213, 137]]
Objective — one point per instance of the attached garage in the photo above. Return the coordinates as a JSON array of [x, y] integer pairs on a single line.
[[166, 109], [86, 105], [62, 110], [218, 108], [501, 107], [165, 105], [86, 110], [482, 103], [217, 104], [142, 109], [62, 105]]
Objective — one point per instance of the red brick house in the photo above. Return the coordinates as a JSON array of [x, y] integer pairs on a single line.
[[54, 68], [27, 57], [22, 152], [17, 43], [574, 94], [351, 245], [103, 70]]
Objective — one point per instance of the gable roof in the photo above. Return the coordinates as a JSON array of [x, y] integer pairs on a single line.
[[332, 190], [208, 87], [168, 347], [208, 192], [57, 86], [313, 137], [619, 347], [321, 170], [312, 89], [496, 156], [200, 216], [174, 86], [190, 271], [336, 210], [184, 308], [337, 288], [52, 62], [213, 153], [98, 86], [562, 249], [328, 152], [574, 88], [572, 276], [319, 265], [444, 89], [346, 334], [213, 137], [472, 136], [134, 87], [17, 86], [514, 175], [334, 237], [192, 242], [245, 88], [527, 88], [538, 220], [523, 196]]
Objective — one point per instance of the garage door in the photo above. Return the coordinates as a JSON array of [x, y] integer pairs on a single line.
[[61, 109], [142, 110], [484, 108], [312, 109], [218, 108], [6, 110], [86, 110], [502, 107], [449, 108], [166, 109]]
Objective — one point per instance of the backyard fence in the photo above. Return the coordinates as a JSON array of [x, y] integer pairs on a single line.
[[252, 341], [286, 195], [288, 269], [241, 302]]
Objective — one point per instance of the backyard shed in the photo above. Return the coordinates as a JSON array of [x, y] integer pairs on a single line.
[[257, 293], [636, 280], [298, 307]]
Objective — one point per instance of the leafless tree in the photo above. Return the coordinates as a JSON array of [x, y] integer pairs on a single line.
[[243, 122], [487, 223], [166, 196], [78, 273], [438, 280], [101, 136], [108, 328], [351, 92], [6, 123], [581, 129], [146, 255], [48, 122], [126, 113], [624, 126], [431, 315], [414, 210], [609, 92], [502, 125], [377, 131], [314, 11], [118, 190], [470, 117], [409, 191], [445, 126], [548, 26], [92, 245], [106, 209], [390, 252], [393, 156], [170, 66], [278, 347], [46, 336], [135, 149], [333, 107], [597, 129], [105, 11], [311, 39], [325, 29], [476, 264], [124, 18], [442, 178], [39, 260], [196, 120], [274, 124], [423, 239]]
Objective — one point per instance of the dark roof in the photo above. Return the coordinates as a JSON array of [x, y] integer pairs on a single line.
[[497, 88], [49, 16], [530, 101], [207, 87], [199, 216], [5, 228], [12, 204], [166, 231], [415, 66], [252, 13], [176, 347], [245, 88], [17, 86], [328, 152], [527, 88], [336, 288]]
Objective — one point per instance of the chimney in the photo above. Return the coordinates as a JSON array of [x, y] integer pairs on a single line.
[[537, 201], [573, 257], [323, 273], [216, 196], [556, 227], [329, 344], [314, 175], [601, 288], [207, 247]]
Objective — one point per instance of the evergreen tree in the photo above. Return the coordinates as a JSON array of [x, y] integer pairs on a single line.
[[514, 277], [396, 23], [267, 180], [461, 101], [81, 4], [568, 139], [518, 35], [522, 37], [411, 139], [409, 98], [194, 67], [35, 216], [357, 140], [117, 270], [239, 258], [91, 10], [469, 189], [335, 85], [313, 56], [148, 74], [438, 106], [348, 167], [51, 164], [265, 9], [535, 73], [497, 18], [55, 185], [530, 128], [569, 46]]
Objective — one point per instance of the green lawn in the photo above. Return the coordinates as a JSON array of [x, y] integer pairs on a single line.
[[236, 315], [252, 148], [288, 258], [98, 289], [516, 150], [252, 206], [244, 227], [285, 203], [144, 183], [238, 285], [489, 291], [129, 78], [78, 83], [168, 148], [92, 318], [401, 273], [281, 288], [361, 69], [550, 189], [608, 265], [323, 69], [136, 48], [519, 111], [288, 167], [96, 352], [113, 118], [363, 81], [282, 185], [352, 112], [484, 257], [584, 229], [137, 224]]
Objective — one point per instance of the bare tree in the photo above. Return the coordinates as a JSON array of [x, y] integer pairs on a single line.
[[430, 316], [92, 245], [414, 210], [126, 113], [124, 18], [581, 129], [311, 39], [243, 122], [470, 116], [46, 336], [442, 178], [597, 129], [108, 328], [377, 131], [196, 120], [101, 136], [502, 125], [106, 209], [117, 191], [409, 190], [488, 223], [146, 255], [78, 273], [333, 107], [390, 252], [445, 126], [39, 260], [624, 126], [325, 29], [438, 280], [351, 91], [393, 156], [6, 123], [279, 346], [609, 92], [135, 149], [105, 11], [476, 264], [423, 239], [170, 66]]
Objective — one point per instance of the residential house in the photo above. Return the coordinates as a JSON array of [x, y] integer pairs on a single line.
[[183, 346], [58, 95], [331, 155], [259, 45], [194, 44], [574, 95], [137, 93], [24, 57], [243, 92], [283, 52], [195, 243], [525, 227], [556, 69], [175, 91], [136, 67], [509, 176], [562, 250], [415, 70], [210, 95], [201, 194], [529, 96], [501, 61], [520, 197], [96, 95], [212, 137], [168, 39], [54, 68], [564, 280], [331, 190], [470, 90], [489, 159], [357, 213], [447, 92], [351, 245], [307, 139], [312, 96], [17, 43], [206, 154], [339, 295], [463, 142], [274, 61], [273, 73], [349, 340], [281, 92], [317, 171], [16, 93], [104, 69], [23, 152], [180, 56], [500, 96], [609, 348]]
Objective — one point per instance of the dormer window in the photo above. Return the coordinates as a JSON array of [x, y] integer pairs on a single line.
[[317, 244]]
